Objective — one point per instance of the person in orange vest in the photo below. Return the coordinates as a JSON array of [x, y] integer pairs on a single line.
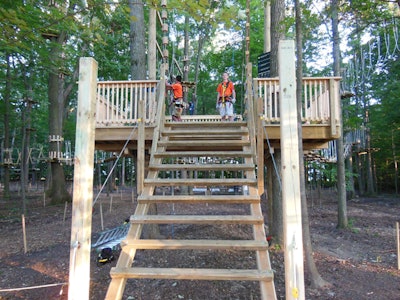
[[226, 97], [177, 100]]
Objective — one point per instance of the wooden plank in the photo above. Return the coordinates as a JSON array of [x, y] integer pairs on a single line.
[[210, 153], [204, 137], [202, 167], [205, 143], [243, 245], [186, 199], [196, 219], [194, 123], [209, 132], [192, 274], [200, 182]]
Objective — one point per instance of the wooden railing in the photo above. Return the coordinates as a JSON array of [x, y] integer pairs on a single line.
[[320, 102], [118, 102]]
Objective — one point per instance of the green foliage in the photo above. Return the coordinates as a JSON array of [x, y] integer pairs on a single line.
[[29, 30]]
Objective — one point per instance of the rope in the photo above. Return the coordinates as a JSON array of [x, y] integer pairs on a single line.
[[116, 161], [33, 287]]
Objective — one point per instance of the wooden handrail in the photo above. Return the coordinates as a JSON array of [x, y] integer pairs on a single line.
[[117, 102], [320, 100]]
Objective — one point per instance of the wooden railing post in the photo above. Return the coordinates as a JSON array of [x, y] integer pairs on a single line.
[[140, 157], [335, 110], [250, 110], [260, 140]]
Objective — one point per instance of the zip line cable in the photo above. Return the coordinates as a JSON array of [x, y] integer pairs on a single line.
[[115, 164], [33, 287]]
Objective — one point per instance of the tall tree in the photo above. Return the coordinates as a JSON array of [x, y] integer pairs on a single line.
[[137, 40], [341, 179], [315, 278], [277, 33]]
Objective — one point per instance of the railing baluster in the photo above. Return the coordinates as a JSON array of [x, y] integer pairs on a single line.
[[316, 107]]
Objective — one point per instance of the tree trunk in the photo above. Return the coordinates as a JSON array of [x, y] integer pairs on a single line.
[[138, 72], [137, 40], [26, 136], [360, 178], [349, 166], [370, 177], [341, 178], [276, 224], [277, 33], [6, 145], [315, 278], [57, 191]]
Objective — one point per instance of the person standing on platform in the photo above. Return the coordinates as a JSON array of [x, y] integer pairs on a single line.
[[177, 100], [226, 97]]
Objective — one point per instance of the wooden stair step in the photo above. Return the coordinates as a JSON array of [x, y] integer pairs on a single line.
[[208, 132], [200, 182], [202, 167], [183, 199], [200, 138], [205, 143], [245, 245], [196, 219], [192, 274], [212, 153], [202, 125]]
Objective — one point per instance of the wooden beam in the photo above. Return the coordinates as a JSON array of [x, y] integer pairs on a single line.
[[191, 274], [291, 198], [81, 228], [243, 245]]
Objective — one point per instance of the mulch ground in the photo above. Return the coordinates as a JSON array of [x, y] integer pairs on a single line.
[[359, 262]]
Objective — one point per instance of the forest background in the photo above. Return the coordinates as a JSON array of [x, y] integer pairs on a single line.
[[42, 42]]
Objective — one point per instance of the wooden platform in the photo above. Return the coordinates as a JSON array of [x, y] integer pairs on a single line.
[[112, 138], [189, 155]]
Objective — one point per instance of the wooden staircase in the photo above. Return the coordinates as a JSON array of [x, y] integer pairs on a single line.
[[217, 156]]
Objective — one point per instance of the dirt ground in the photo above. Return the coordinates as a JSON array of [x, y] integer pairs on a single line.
[[359, 262]]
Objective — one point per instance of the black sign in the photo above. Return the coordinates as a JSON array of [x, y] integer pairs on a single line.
[[264, 65]]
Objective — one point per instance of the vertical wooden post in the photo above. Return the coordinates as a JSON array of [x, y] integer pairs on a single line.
[[24, 234], [260, 145], [398, 245], [140, 148], [291, 199], [81, 228]]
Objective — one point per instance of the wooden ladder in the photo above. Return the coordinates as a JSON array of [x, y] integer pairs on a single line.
[[200, 150]]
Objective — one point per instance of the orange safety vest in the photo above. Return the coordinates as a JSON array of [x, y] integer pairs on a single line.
[[225, 90]]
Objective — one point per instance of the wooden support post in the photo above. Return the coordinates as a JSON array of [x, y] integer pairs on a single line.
[[24, 234], [81, 227], [101, 215], [260, 146], [398, 245], [140, 149], [291, 198]]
